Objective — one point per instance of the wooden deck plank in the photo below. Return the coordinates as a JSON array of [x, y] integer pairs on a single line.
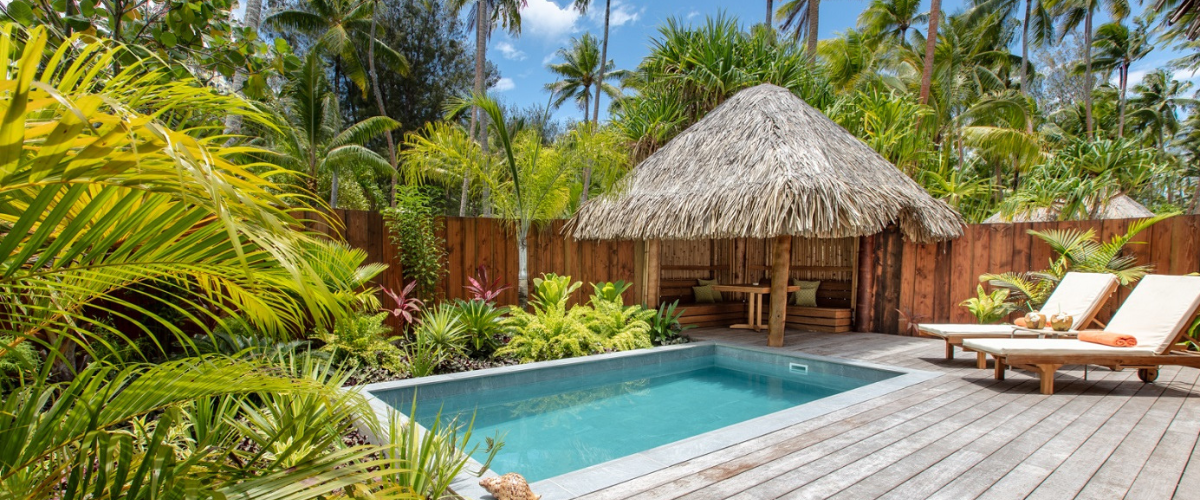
[[962, 435]]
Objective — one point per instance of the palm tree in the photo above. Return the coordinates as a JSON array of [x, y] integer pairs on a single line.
[[891, 18], [315, 143], [250, 22], [484, 16], [1118, 49], [582, 6], [341, 27], [935, 10], [1160, 98], [534, 185], [802, 18], [770, 15], [1036, 18], [124, 226], [580, 72], [1073, 12]]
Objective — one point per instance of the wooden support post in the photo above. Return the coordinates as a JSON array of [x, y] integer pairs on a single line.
[[653, 272], [981, 360], [780, 265]]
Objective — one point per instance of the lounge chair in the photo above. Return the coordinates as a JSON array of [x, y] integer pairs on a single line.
[[1158, 313], [1079, 294]]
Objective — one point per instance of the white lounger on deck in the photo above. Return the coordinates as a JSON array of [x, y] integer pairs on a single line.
[[1078, 294], [1158, 313]]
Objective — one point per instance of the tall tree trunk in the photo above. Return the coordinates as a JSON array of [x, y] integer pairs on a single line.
[[481, 27], [1025, 62], [523, 265], [770, 15], [587, 170], [935, 10], [814, 16], [333, 189], [1123, 75], [1087, 75], [391, 143], [252, 19]]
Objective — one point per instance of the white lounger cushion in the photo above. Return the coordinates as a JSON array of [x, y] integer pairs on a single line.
[[946, 330], [1157, 309], [1051, 347], [1079, 295]]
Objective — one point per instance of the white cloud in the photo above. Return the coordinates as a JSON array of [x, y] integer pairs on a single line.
[[623, 14], [549, 58], [504, 85], [692, 14], [544, 18], [509, 52]]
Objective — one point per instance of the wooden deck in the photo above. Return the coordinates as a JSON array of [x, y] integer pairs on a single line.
[[959, 436]]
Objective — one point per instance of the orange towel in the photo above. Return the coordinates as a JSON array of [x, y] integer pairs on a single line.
[[1106, 338]]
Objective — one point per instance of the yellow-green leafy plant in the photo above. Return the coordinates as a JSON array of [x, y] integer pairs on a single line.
[[116, 190], [989, 308], [552, 333], [552, 291], [618, 326], [362, 340], [442, 328]]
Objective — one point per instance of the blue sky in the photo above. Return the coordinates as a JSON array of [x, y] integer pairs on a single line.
[[549, 24]]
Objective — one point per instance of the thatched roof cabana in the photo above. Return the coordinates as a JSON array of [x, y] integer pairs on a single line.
[[1120, 206], [761, 165], [765, 165]]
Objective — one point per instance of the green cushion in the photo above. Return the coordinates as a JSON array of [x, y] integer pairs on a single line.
[[717, 297], [806, 296], [705, 294]]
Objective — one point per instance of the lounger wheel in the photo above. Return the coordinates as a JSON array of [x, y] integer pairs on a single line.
[[1148, 375]]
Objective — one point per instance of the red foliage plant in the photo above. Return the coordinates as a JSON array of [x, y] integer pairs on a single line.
[[481, 288]]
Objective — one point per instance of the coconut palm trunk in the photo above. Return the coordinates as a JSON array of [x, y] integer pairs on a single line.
[[814, 16], [391, 143], [1087, 75], [770, 14], [480, 56], [1123, 75], [1025, 60], [252, 20], [935, 11], [587, 170]]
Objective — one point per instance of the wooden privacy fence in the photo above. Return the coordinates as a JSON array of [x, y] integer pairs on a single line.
[[899, 281], [475, 241], [927, 282]]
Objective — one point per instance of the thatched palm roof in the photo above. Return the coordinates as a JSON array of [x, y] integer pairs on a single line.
[[1120, 206], [765, 164]]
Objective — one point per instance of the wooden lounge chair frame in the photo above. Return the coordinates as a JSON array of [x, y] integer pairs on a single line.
[[1147, 365], [956, 339]]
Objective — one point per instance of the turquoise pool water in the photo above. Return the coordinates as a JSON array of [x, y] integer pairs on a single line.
[[568, 421]]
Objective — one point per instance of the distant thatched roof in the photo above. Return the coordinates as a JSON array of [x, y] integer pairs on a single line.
[[765, 164], [1117, 207]]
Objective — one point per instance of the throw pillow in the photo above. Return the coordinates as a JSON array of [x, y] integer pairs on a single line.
[[704, 294], [717, 297], [806, 296]]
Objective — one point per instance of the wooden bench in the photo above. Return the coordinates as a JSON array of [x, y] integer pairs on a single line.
[[833, 315]]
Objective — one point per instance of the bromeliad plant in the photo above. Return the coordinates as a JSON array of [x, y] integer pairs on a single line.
[[665, 328], [989, 308]]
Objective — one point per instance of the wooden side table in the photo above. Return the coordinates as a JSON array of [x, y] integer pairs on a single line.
[[754, 303]]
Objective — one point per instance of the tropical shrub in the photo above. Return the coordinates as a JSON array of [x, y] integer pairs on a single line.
[[115, 180], [989, 308], [618, 327], [412, 226], [362, 340], [552, 291], [442, 328], [551, 333], [407, 306], [1076, 251], [481, 288], [18, 364], [429, 459], [483, 324], [93, 437], [665, 328]]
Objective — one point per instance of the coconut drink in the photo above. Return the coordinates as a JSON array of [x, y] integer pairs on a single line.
[[1061, 322], [1035, 320]]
